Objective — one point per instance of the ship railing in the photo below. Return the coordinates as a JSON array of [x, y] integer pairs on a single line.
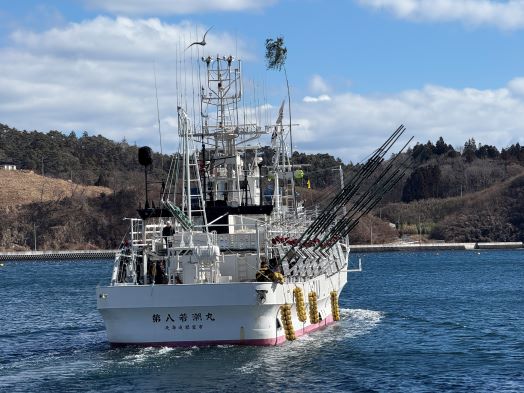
[[241, 241], [188, 239], [124, 268], [136, 228], [244, 224], [289, 233], [143, 235], [251, 236], [152, 234]]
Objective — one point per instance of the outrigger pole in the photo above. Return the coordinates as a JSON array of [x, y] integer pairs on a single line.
[[323, 226]]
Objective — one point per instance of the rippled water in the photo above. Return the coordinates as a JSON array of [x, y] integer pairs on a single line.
[[452, 321]]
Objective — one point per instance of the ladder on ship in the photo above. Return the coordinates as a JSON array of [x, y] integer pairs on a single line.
[[193, 203]]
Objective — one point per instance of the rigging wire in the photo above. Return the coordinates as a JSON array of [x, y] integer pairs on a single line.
[[193, 82], [158, 119]]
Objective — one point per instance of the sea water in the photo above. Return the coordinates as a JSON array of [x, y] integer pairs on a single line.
[[423, 321]]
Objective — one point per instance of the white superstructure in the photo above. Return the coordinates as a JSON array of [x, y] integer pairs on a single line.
[[234, 267]]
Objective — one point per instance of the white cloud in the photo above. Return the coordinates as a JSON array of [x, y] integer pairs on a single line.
[[320, 98], [517, 86], [318, 85], [174, 7], [351, 125], [98, 75], [502, 14], [122, 39]]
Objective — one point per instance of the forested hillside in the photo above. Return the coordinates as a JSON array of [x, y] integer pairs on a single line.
[[471, 193], [90, 160]]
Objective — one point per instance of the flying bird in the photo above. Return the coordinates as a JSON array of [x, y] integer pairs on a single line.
[[203, 42]]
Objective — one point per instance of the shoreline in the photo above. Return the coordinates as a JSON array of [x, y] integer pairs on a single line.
[[435, 246], [357, 248]]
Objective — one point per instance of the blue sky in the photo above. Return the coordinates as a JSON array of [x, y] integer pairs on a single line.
[[357, 68]]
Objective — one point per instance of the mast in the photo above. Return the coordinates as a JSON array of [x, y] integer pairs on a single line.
[[222, 130]]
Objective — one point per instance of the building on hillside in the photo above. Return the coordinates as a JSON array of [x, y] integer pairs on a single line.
[[8, 165]]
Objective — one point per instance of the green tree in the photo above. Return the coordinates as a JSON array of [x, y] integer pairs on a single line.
[[442, 148], [423, 183], [470, 148], [276, 53]]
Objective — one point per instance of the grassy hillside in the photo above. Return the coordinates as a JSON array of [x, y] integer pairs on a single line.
[[25, 187], [71, 222], [61, 214]]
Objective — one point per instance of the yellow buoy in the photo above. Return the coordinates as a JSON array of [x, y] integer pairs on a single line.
[[301, 305], [285, 314], [335, 311], [313, 308]]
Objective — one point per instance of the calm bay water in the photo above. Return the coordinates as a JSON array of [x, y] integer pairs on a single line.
[[448, 321]]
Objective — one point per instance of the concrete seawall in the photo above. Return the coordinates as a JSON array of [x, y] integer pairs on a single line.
[[110, 254], [435, 246], [46, 255]]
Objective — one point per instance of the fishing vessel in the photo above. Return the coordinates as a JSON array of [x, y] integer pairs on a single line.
[[229, 254]]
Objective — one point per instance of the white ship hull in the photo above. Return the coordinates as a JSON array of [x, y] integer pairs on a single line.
[[245, 313], [246, 262]]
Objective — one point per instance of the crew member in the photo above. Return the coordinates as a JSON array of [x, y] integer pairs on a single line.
[[264, 274], [167, 231]]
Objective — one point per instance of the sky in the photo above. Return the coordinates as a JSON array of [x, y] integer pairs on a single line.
[[357, 69]]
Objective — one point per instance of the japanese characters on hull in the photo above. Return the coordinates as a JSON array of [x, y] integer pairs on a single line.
[[184, 321]]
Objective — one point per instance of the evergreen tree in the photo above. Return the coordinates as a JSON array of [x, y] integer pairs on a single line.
[[422, 184]]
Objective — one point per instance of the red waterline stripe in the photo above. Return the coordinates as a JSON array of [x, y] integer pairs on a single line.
[[253, 342]]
